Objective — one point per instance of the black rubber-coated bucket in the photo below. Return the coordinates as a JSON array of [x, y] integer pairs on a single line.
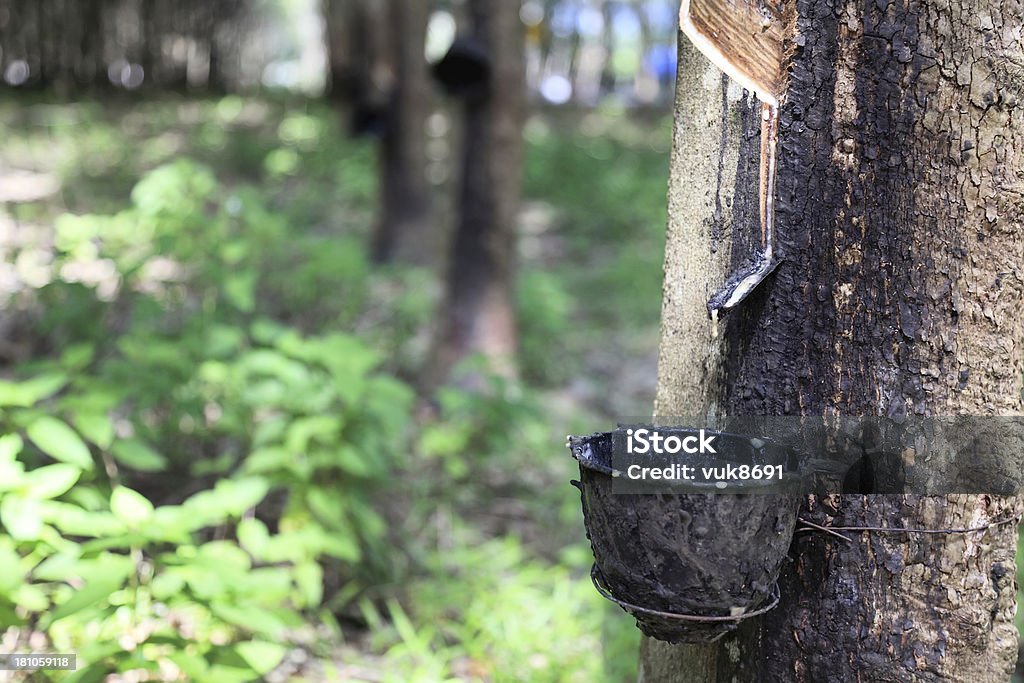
[[689, 567]]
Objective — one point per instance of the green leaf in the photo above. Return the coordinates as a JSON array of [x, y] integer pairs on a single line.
[[60, 442], [76, 521], [130, 506], [267, 585], [228, 498], [12, 575], [322, 428], [311, 541], [21, 518], [350, 461], [267, 459], [11, 475], [191, 664], [228, 673], [50, 481], [327, 505], [445, 439], [31, 598], [77, 356], [253, 535], [224, 556], [10, 447], [240, 290], [43, 386], [138, 456], [261, 655], [168, 583], [252, 619], [96, 427], [30, 392], [172, 519], [58, 567], [309, 578], [106, 575]]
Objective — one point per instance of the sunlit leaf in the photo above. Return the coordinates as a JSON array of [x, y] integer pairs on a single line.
[[77, 521], [130, 506], [253, 535], [96, 427], [20, 516], [50, 481], [12, 574], [10, 447], [60, 442], [309, 578], [261, 655]]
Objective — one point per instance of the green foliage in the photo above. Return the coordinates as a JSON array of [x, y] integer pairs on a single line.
[[608, 181], [212, 451], [214, 570], [484, 429], [544, 307], [491, 612]]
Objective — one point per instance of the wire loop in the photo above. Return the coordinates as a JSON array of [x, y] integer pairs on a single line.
[[630, 607]]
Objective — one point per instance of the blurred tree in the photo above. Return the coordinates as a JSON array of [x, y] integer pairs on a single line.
[[378, 70], [90, 43], [353, 54], [899, 294], [402, 231], [479, 313]]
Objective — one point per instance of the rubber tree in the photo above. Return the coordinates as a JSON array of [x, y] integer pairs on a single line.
[[479, 312], [898, 206], [403, 228], [377, 70], [359, 71]]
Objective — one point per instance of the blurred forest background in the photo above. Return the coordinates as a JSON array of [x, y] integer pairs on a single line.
[[242, 439], [299, 301]]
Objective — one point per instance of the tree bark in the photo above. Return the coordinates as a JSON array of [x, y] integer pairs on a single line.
[[402, 232], [899, 214], [340, 20], [479, 313]]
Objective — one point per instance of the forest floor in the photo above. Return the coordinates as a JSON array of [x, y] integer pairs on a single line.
[[475, 563]]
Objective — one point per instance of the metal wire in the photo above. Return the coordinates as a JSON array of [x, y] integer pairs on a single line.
[[606, 593]]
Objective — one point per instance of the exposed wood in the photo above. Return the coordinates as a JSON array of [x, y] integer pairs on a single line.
[[747, 40]]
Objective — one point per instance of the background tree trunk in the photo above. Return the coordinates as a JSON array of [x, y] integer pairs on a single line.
[[343, 38], [479, 315], [403, 229], [899, 210]]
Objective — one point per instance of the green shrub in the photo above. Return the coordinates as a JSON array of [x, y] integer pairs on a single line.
[[544, 307], [174, 485], [490, 612]]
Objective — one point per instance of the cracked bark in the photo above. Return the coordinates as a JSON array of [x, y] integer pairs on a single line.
[[899, 203]]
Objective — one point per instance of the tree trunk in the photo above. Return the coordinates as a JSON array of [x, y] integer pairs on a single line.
[[479, 313], [899, 216], [340, 16], [402, 231]]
